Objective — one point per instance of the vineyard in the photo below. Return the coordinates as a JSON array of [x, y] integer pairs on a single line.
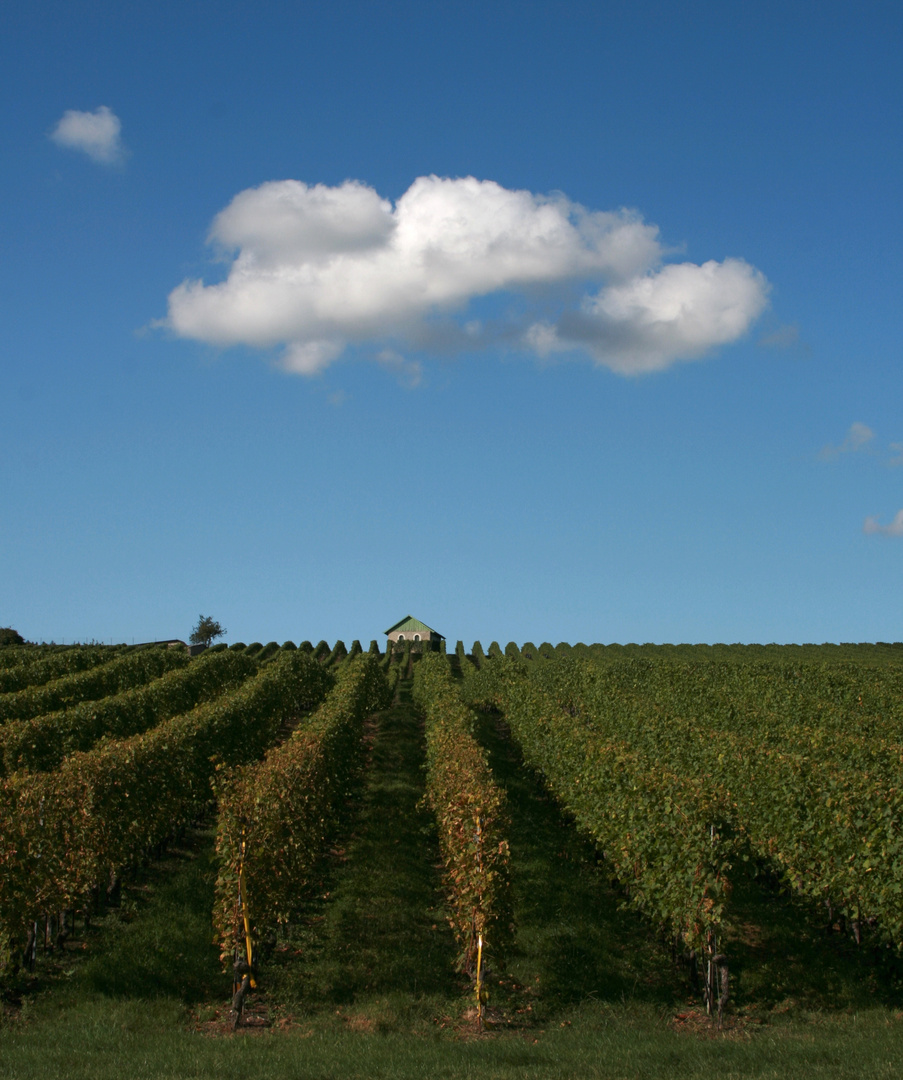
[[460, 820]]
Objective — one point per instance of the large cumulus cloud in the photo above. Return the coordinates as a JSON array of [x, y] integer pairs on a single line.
[[315, 269]]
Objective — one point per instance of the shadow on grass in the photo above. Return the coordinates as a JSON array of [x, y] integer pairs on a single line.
[[158, 942], [376, 937], [574, 941], [783, 960]]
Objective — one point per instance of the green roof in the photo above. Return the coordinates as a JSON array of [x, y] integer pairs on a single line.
[[412, 624]]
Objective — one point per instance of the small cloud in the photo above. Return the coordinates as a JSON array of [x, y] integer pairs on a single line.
[[337, 398], [872, 527], [785, 337], [410, 372], [857, 438], [310, 357], [896, 449], [542, 338], [94, 133]]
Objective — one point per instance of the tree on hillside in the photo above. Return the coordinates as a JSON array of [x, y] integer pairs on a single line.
[[206, 630], [8, 636]]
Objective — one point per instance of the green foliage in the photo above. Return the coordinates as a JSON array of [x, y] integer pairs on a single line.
[[659, 831], [206, 631], [337, 654], [371, 930], [65, 832], [808, 756], [795, 763], [269, 650], [36, 665], [285, 807], [8, 636], [404, 663], [14, 657], [42, 742], [121, 673], [883, 654], [470, 813]]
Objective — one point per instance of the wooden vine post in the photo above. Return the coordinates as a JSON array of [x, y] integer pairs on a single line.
[[480, 989], [717, 978], [479, 982], [243, 968]]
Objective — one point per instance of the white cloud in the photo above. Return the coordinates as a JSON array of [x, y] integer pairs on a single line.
[[315, 269], [94, 133], [858, 436], [785, 337], [676, 313], [871, 527], [897, 454], [409, 372], [309, 357]]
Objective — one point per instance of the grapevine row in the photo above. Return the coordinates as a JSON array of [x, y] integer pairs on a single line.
[[121, 673], [803, 787], [64, 833], [470, 812], [274, 816], [660, 831], [41, 743], [25, 665]]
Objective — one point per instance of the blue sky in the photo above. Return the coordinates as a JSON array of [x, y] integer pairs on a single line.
[[569, 324]]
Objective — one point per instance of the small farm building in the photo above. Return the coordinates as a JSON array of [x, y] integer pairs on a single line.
[[411, 629]]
